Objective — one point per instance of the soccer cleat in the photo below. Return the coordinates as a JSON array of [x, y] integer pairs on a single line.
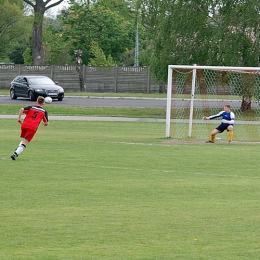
[[229, 142], [209, 142], [13, 156]]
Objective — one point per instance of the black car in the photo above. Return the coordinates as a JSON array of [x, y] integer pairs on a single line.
[[33, 86]]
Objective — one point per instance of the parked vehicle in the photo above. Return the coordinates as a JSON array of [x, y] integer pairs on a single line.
[[33, 86]]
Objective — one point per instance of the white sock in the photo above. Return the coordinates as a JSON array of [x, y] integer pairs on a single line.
[[20, 148]]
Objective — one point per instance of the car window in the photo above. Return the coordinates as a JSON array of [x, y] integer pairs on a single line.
[[40, 81], [23, 81], [17, 79]]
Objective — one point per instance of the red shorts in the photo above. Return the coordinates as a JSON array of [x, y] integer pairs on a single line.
[[27, 133]]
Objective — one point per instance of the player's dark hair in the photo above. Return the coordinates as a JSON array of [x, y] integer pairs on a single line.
[[40, 100], [228, 106]]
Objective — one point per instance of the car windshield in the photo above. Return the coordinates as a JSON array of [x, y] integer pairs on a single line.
[[40, 81]]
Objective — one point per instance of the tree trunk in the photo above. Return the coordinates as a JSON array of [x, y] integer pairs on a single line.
[[38, 51], [246, 103], [79, 68]]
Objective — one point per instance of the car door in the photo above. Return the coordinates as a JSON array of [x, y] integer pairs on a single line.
[[17, 86], [24, 87]]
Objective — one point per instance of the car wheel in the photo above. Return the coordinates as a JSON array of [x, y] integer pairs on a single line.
[[12, 94], [32, 96], [60, 99]]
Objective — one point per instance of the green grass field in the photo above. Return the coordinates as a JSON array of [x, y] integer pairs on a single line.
[[119, 190], [92, 111]]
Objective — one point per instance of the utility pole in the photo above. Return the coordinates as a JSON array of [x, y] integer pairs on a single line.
[[136, 63]]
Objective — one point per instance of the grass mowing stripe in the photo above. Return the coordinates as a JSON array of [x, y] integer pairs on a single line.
[[93, 111], [141, 169]]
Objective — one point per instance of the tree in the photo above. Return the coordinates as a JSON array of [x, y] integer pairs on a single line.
[[11, 22], [129, 11], [126, 8], [241, 44], [86, 23], [57, 50], [16, 53], [205, 32], [39, 7], [100, 58], [59, 45], [202, 31]]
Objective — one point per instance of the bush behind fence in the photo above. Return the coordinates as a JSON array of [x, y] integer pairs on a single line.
[[96, 79]]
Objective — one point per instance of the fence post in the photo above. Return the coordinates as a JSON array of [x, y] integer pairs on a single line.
[[84, 77], [52, 72], [19, 69], [148, 80], [115, 82]]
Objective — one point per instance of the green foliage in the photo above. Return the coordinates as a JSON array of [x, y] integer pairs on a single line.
[[57, 50], [27, 56], [202, 32], [126, 8], [16, 54], [11, 22], [86, 23], [100, 58], [18, 45], [18, 3]]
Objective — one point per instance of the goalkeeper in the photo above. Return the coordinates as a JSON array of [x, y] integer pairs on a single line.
[[227, 123]]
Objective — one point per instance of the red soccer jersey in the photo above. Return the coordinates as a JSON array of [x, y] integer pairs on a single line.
[[34, 115]]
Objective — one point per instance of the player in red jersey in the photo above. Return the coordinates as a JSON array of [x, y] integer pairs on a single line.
[[34, 116]]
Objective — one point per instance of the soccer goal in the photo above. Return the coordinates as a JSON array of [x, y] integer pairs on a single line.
[[197, 91]]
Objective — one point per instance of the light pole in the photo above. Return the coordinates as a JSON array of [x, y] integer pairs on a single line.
[[136, 63]]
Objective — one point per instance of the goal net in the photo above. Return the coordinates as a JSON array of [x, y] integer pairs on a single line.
[[197, 91]]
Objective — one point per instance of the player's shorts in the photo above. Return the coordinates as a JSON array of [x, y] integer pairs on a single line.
[[222, 128], [27, 133]]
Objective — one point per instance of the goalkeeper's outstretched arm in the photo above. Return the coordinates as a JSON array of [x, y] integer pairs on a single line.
[[213, 116], [230, 122]]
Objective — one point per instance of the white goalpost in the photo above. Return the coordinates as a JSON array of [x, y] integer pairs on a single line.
[[195, 91]]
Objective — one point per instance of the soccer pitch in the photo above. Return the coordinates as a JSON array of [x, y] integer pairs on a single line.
[[119, 190]]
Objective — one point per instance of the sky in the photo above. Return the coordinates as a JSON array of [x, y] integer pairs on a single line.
[[56, 9]]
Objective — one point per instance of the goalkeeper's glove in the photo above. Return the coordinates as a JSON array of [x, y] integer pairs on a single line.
[[205, 118]]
